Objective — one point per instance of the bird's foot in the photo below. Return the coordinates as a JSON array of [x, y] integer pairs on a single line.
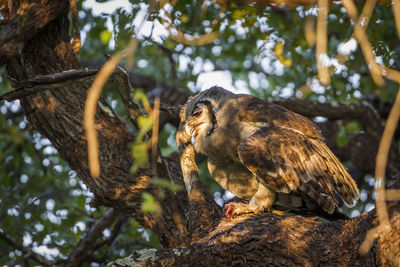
[[234, 209]]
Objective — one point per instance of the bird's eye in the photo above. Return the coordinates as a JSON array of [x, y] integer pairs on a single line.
[[197, 112]]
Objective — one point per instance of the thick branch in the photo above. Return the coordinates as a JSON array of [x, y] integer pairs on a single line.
[[362, 111], [57, 114], [55, 80], [270, 239], [22, 26]]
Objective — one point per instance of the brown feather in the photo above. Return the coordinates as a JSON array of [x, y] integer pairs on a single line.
[[288, 161], [266, 154]]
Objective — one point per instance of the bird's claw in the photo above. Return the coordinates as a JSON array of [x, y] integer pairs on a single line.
[[229, 211], [232, 210]]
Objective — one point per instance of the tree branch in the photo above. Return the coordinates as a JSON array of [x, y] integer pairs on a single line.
[[22, 26], [269, 239], [87, 243], [47, 82]]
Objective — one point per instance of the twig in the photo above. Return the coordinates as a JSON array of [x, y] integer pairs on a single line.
[[86, 244], [364, 18], [171, 59], [154, 135], [360, 35], [396, 13], [381, 161], [93, 96], [321, 53]]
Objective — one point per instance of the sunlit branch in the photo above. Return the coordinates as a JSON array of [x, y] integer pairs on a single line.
[[76, 41], [361, 37], [396, 13], [381, 162], [185, 38], [364, 18], [321, 52]]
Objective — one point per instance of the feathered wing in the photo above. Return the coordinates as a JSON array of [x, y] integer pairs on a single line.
[[257, 110], [288, 161]]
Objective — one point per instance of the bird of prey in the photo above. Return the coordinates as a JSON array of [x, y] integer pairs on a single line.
[[267, 155]]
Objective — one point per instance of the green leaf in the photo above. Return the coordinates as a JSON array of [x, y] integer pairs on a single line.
[[145, 123], [139, 154], [149, 204], [341, 138], [353, 127], [81, 201], [173, 187], [105, 36], [142, 97], [238, 14], [185, 18]]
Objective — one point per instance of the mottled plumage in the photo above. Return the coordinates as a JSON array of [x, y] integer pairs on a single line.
[[267, 155]]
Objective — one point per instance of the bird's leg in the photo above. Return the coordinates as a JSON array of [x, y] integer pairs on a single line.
[[234, 209], [260, 202]]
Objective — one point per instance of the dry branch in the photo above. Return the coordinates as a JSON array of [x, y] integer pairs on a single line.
[[381, 162], [321, 49]]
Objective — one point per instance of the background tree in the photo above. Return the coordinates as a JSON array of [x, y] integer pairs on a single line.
[[52, 211]]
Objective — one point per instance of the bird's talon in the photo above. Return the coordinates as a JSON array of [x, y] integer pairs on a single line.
[[228, 211]]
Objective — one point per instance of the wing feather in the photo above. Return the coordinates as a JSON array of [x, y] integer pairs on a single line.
[[289, 161], [273, 114]]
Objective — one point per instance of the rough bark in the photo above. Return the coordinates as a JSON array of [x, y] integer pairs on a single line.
[[57, 114], [257, 240], [272, 240]]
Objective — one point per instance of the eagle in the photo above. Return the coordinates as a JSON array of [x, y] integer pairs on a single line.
[[267, 156]]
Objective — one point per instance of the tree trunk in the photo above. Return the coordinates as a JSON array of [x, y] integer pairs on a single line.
[[41, 46]]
